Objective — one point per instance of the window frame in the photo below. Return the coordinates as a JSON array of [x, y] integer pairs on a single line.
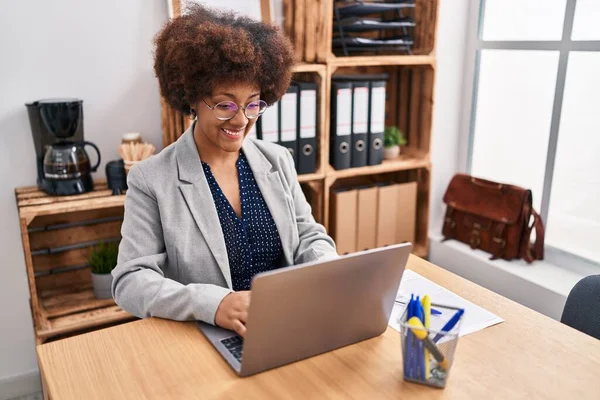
[[474, 47]]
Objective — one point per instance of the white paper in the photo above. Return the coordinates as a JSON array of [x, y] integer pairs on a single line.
[[475, 318], [344, 114], [270, 123], [377, 109], [361, 109], [289, 104], [308, 113]]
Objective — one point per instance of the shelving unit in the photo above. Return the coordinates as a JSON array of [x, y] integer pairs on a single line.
[[409, 105], [409, 102], [57, 235]]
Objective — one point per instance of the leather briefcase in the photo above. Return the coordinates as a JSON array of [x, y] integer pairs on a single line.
[[493, 217]]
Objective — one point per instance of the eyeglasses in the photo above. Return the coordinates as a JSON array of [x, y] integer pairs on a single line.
[[226, 110]]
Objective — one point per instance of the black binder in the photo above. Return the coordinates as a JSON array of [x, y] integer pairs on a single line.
[[341, 121], [288, 122], [267, 126], [376, 121], [307, 127], [360, 121]]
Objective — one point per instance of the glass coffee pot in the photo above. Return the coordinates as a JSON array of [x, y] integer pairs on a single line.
[[68, 160]]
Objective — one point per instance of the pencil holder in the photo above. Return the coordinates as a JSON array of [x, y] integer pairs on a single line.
[[427, 353]]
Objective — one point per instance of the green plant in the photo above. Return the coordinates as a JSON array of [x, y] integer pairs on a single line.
[[393, 136], [103, 258]]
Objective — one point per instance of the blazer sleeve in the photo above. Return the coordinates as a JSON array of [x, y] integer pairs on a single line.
[[139, 283], [315, 243]]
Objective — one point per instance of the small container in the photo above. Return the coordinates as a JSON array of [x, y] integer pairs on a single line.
[[131, 137], [128, 164], [116, 176], [422, 366]]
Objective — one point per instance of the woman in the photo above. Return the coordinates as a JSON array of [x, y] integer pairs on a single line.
[[215, 208]]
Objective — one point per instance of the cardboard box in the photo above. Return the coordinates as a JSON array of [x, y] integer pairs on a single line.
[[387, 205], [406, 212], [366, 219], [343, 219]]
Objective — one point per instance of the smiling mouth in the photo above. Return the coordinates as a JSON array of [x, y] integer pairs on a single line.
[[233, 134]]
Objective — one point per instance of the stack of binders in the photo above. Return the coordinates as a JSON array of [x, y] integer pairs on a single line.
[[292, 123], [357, 120]]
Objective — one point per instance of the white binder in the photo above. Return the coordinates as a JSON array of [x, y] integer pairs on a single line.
[[270, 123], [377, 109]]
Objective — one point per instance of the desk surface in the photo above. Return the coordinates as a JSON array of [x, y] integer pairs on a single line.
[[528, 356]]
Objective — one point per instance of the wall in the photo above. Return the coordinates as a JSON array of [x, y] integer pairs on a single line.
[[99, 51], [450, 52]]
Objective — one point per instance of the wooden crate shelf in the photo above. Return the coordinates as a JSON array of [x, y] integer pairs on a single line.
[[420, 250], [58, 233], [74, 309], [366, 61], [305, 67], [310, 177], [411, 160]]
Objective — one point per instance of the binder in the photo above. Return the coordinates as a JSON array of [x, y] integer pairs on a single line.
[[386, 214], [366, 218], [376, 121], [343, 214], [253, 130], [288, 122], [341, 119], [406, 212], [268, 124], [307, 128], [360, 120]]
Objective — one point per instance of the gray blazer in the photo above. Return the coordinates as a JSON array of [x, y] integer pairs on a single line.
[[172, 258]]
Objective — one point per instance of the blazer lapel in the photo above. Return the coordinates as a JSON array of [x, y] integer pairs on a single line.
[[198, 198], [272, 189]]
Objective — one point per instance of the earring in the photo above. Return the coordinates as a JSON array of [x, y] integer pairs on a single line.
[[192, 114]]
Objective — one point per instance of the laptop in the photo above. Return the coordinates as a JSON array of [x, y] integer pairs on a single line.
[[300, 311]]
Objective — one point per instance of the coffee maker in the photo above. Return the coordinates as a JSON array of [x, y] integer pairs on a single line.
[[63, 165]]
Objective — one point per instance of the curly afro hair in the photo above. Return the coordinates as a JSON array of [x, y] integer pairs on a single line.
[[204, 48]]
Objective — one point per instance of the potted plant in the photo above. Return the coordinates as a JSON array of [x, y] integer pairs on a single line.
[[392, 140], [102, 260]]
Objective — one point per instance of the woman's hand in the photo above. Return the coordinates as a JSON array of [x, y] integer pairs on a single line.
[[232, 313]]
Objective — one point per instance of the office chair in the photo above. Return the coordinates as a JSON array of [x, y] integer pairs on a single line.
[[582, 309]]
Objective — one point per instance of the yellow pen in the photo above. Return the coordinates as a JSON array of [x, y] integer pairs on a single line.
[[426, 302]]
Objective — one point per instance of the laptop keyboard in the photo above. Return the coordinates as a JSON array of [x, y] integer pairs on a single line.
[[234, 344]]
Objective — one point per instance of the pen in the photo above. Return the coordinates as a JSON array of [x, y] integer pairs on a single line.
[[421, 352], [409, 342], [420, 333], [433, 310], [414, 344], [427, 309], [449, 325]]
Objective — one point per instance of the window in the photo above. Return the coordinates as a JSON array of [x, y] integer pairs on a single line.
[[535, 116]]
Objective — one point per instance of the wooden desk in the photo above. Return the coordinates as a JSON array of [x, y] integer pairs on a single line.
[[528, 356]]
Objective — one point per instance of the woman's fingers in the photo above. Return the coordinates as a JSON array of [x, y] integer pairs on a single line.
[[243, 316], [239, 327]]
